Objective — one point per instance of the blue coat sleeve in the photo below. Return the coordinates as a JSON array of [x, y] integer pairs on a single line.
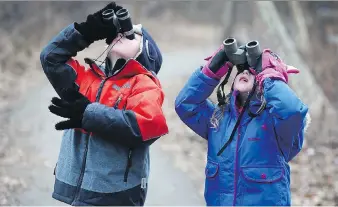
[[192, 104], [288, 114]]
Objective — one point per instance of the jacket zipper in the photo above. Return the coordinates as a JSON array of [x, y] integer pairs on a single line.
[[130, 152], [236, 163], [78, 186]]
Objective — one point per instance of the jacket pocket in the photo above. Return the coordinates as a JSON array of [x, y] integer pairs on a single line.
[[211, 169], [262, 174], [211, 192], [54, 173], [128, 165], [262, 185]]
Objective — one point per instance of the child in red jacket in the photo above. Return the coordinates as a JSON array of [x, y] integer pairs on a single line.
[[113, 113]]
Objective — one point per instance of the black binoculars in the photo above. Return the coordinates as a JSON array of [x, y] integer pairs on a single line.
[[243, 56], [121, 20]]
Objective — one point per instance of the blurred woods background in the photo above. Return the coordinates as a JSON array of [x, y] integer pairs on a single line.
[[305, 34]]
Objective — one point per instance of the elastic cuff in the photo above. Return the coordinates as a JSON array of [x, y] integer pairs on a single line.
[[89, 115], [209, 73], [210, 81]]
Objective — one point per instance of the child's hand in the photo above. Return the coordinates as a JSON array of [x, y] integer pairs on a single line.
[[72, 107], [94, 28], [218, 64], [273, 67]]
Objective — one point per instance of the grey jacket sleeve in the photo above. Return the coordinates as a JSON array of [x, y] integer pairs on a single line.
[[57, 62]]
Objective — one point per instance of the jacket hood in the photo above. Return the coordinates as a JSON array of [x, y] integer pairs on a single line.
[[150, 55]]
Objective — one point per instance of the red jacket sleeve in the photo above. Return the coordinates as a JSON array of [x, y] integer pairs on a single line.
[[146, 101]]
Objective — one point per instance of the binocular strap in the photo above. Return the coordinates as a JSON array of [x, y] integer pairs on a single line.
[[220, 89], [239, 118]]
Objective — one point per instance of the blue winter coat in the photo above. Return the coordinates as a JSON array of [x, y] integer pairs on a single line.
[[253, 169]]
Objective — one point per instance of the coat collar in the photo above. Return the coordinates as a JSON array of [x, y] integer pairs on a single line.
[[131, 68], [235, 110]]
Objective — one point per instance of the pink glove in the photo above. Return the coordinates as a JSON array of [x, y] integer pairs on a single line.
[[273, 67], [219, 66]]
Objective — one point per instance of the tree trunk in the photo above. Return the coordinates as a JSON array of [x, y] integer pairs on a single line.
[[227, 19], [302, 38], [137, 11], [304, 83]]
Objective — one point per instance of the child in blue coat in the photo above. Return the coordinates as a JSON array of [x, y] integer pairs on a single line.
[[253, 169]]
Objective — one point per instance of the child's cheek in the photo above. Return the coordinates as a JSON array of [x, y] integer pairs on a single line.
[[128, 48]]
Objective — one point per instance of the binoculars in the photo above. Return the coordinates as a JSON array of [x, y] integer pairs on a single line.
[[121, 20], [243, 56]]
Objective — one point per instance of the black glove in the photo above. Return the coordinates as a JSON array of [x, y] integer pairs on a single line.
[[72, 109], [94, 28], [218, 61]]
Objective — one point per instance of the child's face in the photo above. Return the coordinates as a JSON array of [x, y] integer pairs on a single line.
[[125, 48], [244, 82]]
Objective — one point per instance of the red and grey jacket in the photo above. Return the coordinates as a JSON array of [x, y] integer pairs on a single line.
[[106, 162]]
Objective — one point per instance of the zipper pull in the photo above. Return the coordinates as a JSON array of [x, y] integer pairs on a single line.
[[118, 101]]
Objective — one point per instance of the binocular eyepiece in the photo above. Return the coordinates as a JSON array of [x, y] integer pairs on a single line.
[[121, 20], [242, 56]]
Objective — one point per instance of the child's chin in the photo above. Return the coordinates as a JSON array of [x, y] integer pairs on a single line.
[[243, 89]]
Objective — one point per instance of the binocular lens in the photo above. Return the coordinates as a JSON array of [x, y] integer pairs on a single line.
[[229, 41], [122, 14], [108, 14], [121, 20], [125, 22], [252, 44], [230, 45], [253, 48]]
